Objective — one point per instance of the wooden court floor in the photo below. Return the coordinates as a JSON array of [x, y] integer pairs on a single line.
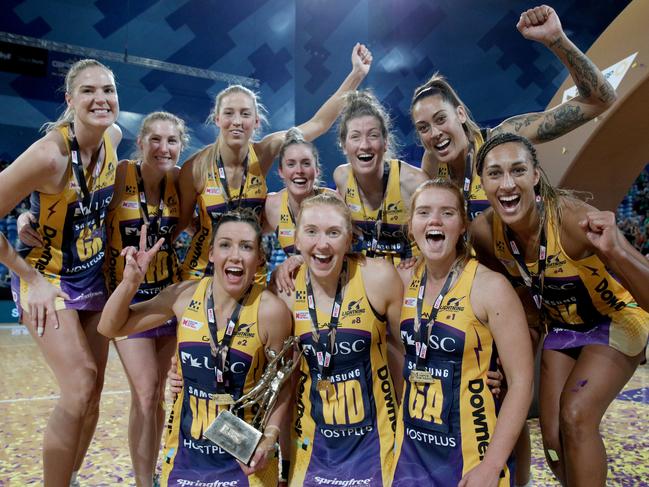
[[28, 393]]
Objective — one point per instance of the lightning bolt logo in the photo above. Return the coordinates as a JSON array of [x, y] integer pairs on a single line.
[[478, 348], [379, 342], [52, 209]]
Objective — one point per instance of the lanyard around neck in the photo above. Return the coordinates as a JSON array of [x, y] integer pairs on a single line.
[[534, 282], [224, 182], [221, 348], [324, 343], [84, 196], [376, 232], [153, 221], [425, 326], [468, 174], [316, 191]]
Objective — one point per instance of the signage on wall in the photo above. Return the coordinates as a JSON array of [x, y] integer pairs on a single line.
[[27, 60], [8, 312], [613, 74]]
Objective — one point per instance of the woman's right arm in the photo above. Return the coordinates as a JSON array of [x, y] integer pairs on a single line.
[[41, 304], [23, 176], [119, 318], [39, 168]]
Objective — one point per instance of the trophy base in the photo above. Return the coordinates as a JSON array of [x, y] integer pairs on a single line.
[[234, 435]]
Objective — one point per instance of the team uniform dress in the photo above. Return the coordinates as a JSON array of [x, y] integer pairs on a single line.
[[124, 225], [215, 200], [583, 303], [472, 188], [71, 225], [285, 230], [188, 458], [384, 230], [343, 434], [445, 427]]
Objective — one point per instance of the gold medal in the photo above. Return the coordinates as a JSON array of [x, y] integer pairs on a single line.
[[223, 399], [325, 385], [421, 376]]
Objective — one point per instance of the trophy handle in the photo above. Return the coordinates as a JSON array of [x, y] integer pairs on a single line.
[[269, 373], [265, 392]]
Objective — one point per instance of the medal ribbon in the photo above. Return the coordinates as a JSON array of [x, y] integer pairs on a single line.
[[421, 341], [152, 221], [376, 234], [221, 348], [534, 282], [84, 197], [224, 182], [322, 343], [468, 174]]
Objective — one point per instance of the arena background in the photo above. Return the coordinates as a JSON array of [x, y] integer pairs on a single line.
[[176, 55], [295, 52]]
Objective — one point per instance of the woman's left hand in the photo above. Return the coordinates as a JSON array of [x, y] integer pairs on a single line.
[[264, 452], [361, 59], [409, 263], [175, 379], [481, 476], [495, 380], [41, 303], [540, 24], [282, 276]]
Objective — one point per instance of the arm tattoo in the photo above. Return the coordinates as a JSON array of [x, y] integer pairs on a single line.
[[559, 122], [593, 89], [584, 73], [516, 124], [606, 93]]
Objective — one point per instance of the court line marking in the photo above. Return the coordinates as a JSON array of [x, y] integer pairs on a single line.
[[55, 396]]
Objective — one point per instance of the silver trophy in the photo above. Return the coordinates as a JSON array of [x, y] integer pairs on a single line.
[[232, 433]]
